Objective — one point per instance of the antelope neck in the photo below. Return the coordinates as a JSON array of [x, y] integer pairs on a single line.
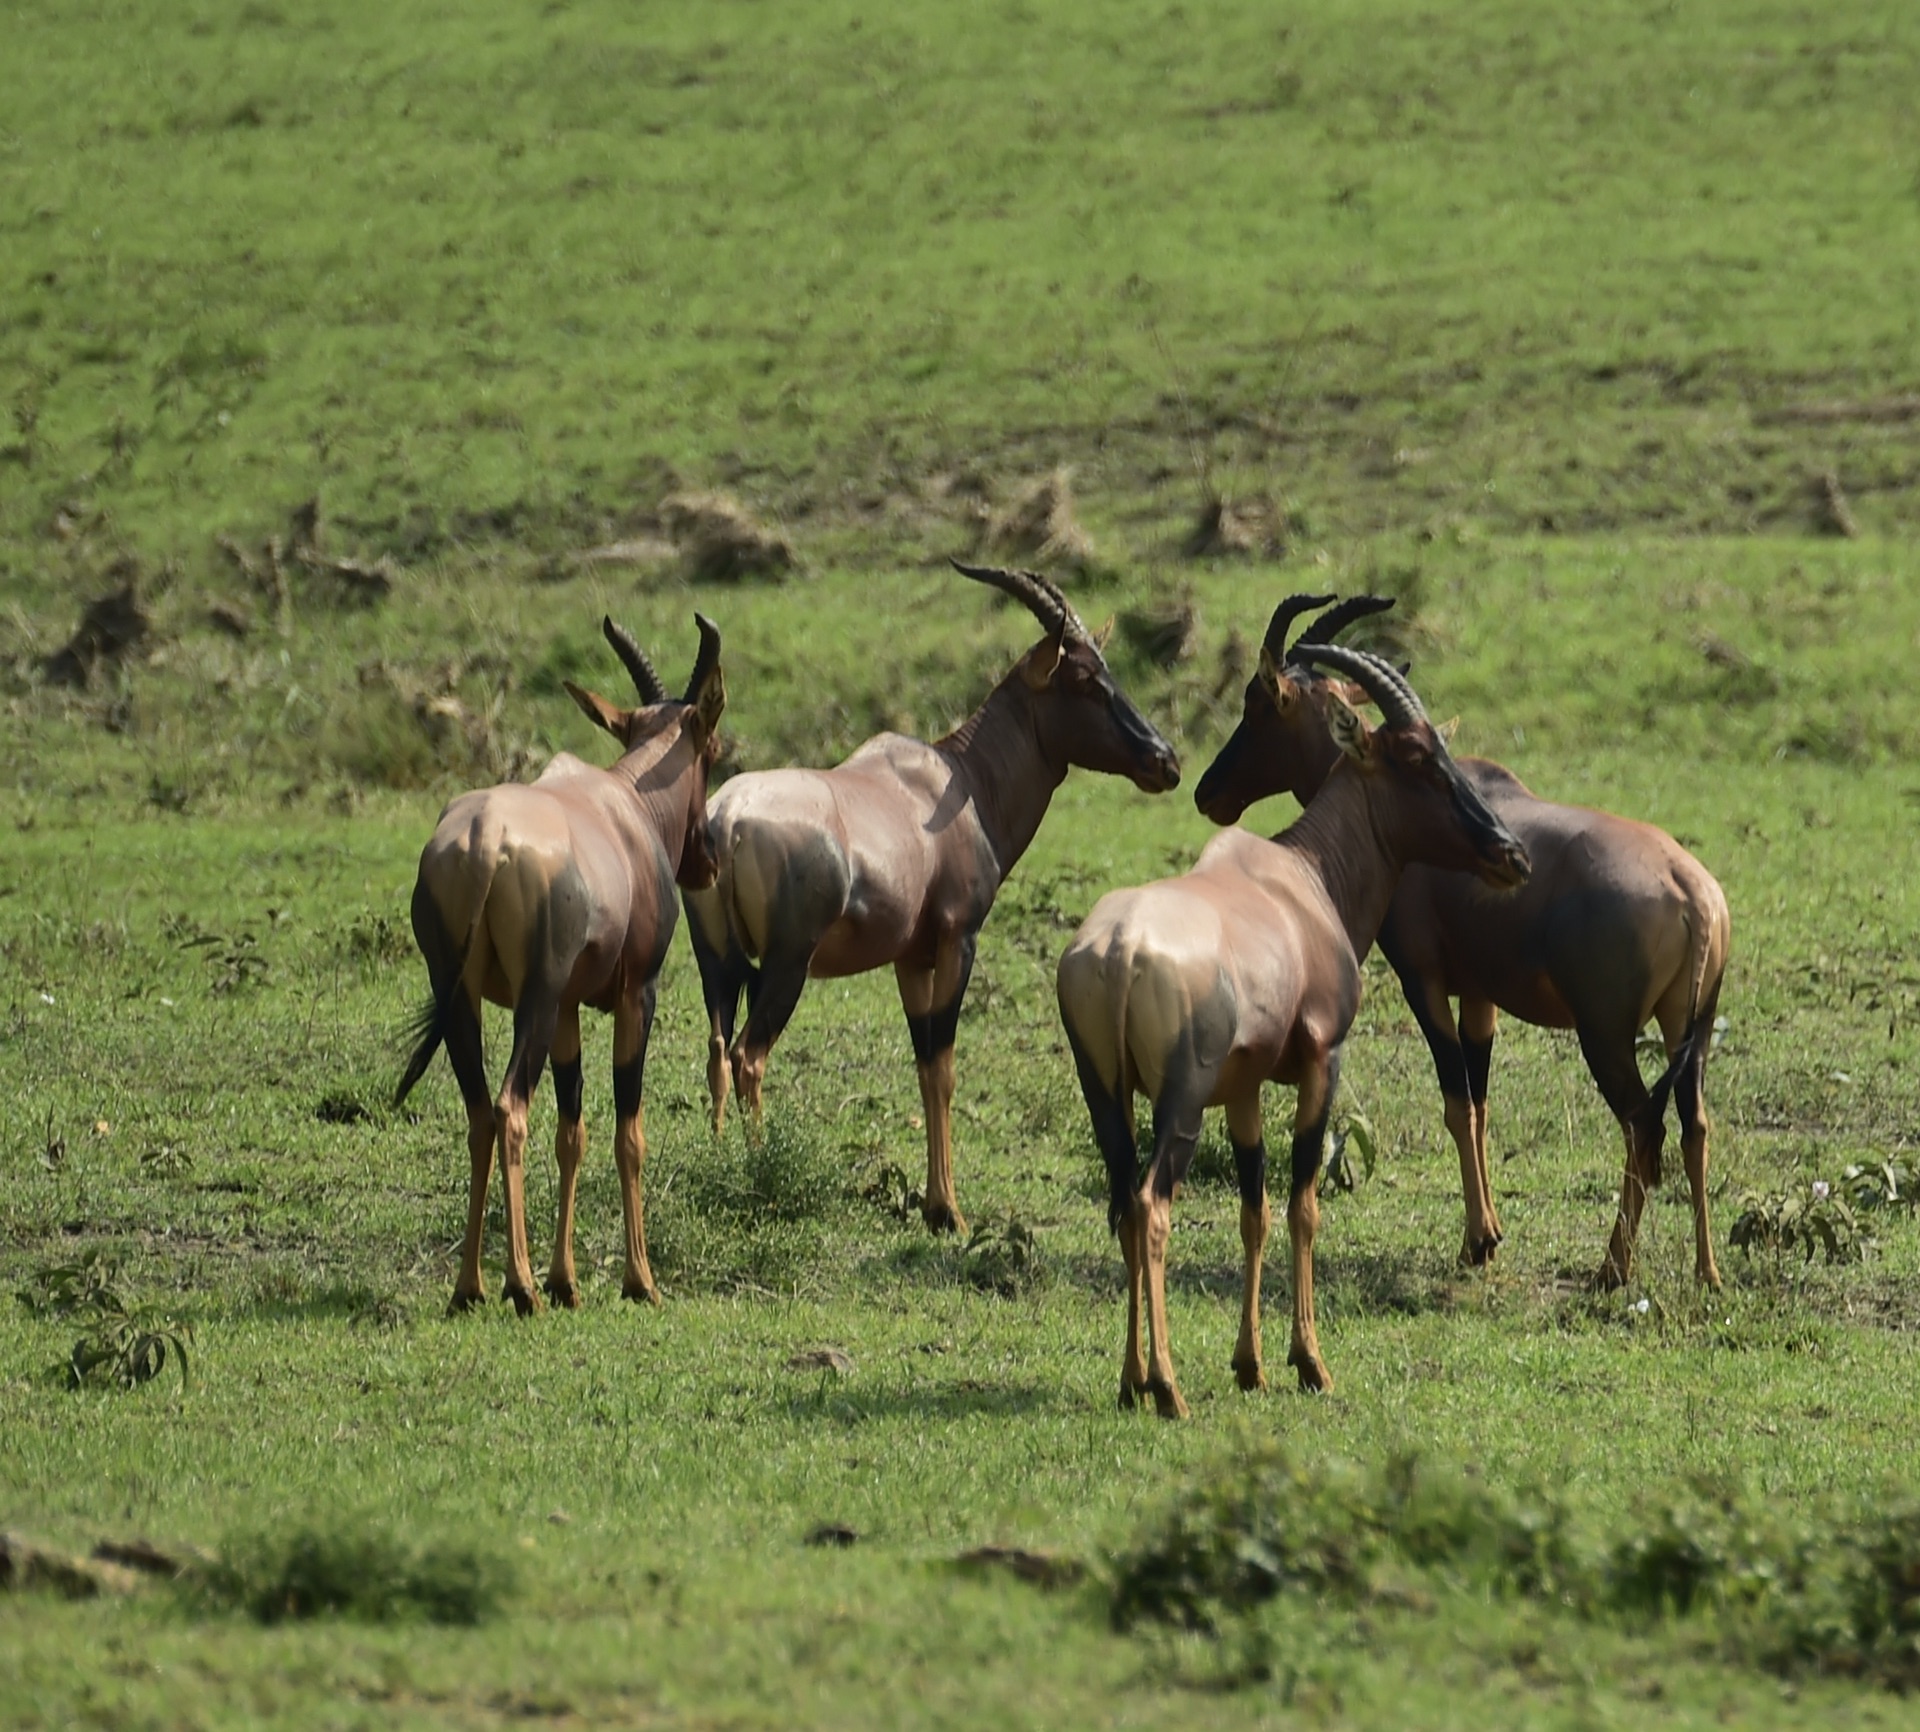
[[1340, 833], [1007, 772], [660, 790]]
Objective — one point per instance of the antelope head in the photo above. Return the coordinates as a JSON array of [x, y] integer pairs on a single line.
[[1283, 744], [1081, 714], [1430, 812], [665, 723]]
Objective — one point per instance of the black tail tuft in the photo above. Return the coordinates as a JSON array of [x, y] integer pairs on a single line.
[[426, 1029], [1656, 1109]]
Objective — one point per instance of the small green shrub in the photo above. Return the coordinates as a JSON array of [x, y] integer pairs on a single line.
[[1267, 1524], [1710, 1545], [1788, 1584], [782, 1173], [748, 1213], [125, 1341], [358, 1572], [1002, 1256], [1812, 1218]]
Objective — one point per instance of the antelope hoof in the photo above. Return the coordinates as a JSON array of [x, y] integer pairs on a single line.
[[1167, 1402], [1708, 1277], [525, 1303], [563, 1293], [1478, 1253], [1314, 1376], [1248, 1375], [461, 1303], [942, 1218], [1611, 1277], [640, 1292]]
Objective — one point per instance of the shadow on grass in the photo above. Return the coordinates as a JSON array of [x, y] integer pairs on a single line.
[[967, 1399], [1357, 1284], [339, 1301]]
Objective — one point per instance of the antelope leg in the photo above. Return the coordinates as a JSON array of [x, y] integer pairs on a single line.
[[931, 998], [1303, 1215], [569, 1148], [1256, 1219], [632, 1025]]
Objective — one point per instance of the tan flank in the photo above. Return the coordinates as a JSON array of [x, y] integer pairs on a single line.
[[546, 897], [896, 855], [1617, 926], [1195, 990]]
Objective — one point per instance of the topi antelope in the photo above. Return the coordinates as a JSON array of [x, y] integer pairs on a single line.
[[1619, 924], [551, 896], [896, 856], [1246, 969]]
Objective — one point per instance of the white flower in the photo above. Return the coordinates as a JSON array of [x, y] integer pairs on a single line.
[[1643, 1306], [46, 998], [1821, 1190]]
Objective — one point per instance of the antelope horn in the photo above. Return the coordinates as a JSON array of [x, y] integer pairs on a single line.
[[634, 658], [1041, 594], [709, 657], [1283, 617], [1378, 678], [1336, 619]]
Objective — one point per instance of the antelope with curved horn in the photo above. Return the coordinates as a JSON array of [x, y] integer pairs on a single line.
[[895, 856], [1617, 926], [546, 897], [1246, 969]]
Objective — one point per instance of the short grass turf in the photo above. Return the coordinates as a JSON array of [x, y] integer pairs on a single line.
[[202, 1024], [1582, 336]]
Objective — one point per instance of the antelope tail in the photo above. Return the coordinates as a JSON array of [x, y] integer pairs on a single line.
[[1699, 945], [427, 1027]]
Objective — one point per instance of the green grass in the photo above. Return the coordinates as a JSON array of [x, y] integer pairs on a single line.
[[1511, 314], [468, 273]]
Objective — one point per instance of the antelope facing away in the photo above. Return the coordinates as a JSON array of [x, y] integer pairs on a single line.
[[550, 896], [895, 856], [1246, 969], [1619, 924]]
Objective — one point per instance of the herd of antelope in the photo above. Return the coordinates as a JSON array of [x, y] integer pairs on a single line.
[[1192, 991]]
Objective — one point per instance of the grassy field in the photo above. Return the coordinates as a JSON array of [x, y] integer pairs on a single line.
[[1578, 336]]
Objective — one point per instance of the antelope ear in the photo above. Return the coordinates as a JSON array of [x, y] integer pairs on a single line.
[[708, 704], [599, 711], [1447, 729], [1100, 637], [1043, 662], [1349, 732], [1279, 687]]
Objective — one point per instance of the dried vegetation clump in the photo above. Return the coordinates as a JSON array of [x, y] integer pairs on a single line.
[[720, 541], [328, 580], [412, 726], [1237, 529], [1040, 524], [1164, 632], [112, 628]]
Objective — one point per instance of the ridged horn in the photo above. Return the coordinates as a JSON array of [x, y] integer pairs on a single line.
[[1283, 617], [1041, 594], [634, 658], [1336, 619], [1378, 678], [709, 657]]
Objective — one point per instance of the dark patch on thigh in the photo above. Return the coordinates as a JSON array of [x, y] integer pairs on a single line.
[[569, 1088], [1250, 1167], [934, 1033], [1479, 1060]]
